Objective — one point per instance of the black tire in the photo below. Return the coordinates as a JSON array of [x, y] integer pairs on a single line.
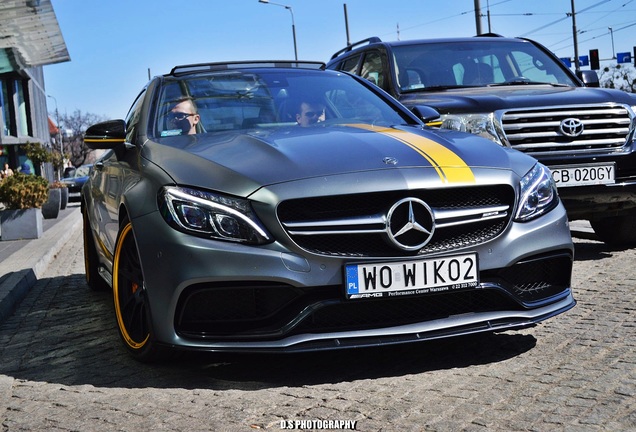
[[91, 259], [132, 310], [616, 230]]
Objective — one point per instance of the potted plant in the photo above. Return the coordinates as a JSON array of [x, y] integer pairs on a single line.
[[23, 196]]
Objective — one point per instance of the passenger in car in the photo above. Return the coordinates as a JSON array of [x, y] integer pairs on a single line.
[[184, 116], [310, 112]]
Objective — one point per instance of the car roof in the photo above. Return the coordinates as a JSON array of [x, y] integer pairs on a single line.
[[491, 37], [250, 64]]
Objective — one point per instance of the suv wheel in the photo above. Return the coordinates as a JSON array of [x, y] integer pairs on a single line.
[[616, 230]]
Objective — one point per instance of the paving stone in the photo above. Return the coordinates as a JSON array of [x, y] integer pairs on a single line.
[[62, 367]]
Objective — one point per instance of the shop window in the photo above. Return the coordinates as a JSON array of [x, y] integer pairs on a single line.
[[5, 116], [21, 109], [14, 107]]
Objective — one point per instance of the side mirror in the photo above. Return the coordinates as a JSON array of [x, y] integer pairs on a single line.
[[589, 78], [426, 113], [106, 135]]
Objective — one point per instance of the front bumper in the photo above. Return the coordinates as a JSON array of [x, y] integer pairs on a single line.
[[592, 202], [219, 296]]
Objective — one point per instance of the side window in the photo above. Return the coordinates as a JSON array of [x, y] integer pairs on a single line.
[[132, 119], [350, 65], [372, 68]]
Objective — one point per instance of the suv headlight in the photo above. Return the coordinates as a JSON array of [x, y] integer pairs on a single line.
[[211, 215], [634, 125], [538, 194], [477, 124]]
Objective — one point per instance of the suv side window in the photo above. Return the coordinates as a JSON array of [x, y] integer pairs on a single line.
[[372, 68], [350, 65]]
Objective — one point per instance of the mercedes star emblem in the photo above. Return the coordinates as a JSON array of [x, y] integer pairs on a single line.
[[410, 224]]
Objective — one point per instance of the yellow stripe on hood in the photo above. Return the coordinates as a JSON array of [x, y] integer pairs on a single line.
[[450, 167]]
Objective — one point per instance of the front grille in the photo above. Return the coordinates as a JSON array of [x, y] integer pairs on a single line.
[[537, 131], [356, 225]]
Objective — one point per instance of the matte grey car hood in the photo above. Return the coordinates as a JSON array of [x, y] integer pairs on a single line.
[[240, 163]]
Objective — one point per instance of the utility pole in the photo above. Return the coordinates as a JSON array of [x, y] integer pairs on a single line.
[[478, 17], [346, 24], [577, 67]]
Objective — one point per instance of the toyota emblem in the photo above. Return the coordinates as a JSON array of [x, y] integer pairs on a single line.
[[410, 224], [571, 127]]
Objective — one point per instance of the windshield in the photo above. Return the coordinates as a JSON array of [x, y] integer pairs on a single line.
[[242, 100], [82, 171], [474, 64]]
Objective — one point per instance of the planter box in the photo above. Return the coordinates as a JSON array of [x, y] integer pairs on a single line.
[[51, 208], [64, 198], [21, 224]]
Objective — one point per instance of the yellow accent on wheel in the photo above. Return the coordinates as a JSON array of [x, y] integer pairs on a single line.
[[127, 230]]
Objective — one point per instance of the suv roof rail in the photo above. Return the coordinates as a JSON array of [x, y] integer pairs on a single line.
[[372, 39], [207, 67]]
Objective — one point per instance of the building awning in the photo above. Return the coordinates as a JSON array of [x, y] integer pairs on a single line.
[[53, 130], [30, 32]]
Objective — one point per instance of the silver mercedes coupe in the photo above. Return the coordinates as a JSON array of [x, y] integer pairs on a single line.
[[281, 207]]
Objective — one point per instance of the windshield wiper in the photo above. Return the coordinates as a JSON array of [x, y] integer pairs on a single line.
[[433, 88], [525, 81]]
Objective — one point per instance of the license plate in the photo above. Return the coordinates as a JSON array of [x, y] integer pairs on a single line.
[[583, 175], [425, 276]]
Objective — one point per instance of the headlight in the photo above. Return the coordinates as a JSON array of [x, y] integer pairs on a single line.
[[538, 194], [211, 215], [477, 124]]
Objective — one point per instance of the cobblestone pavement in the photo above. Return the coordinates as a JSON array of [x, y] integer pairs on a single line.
[[62, 368]]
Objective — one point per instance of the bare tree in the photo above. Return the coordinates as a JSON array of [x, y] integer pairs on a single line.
[[621, 77], [74, 125]]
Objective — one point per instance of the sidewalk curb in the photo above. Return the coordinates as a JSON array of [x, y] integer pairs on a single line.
[[21, 270]]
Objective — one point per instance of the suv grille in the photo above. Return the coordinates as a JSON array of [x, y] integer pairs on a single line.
[[356, 225], [539, 131]]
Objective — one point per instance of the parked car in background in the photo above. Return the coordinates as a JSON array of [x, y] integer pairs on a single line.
[[221, 224], [74, 178], [518, 94]]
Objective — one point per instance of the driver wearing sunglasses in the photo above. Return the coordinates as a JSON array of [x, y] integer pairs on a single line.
[[183, 115], [310, 113]]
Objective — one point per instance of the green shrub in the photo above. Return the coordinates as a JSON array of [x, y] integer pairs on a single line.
[[37, 153], [21, 191]]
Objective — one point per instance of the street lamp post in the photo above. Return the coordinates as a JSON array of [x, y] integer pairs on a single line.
[[612, 35], [291, 11], [59, 133]]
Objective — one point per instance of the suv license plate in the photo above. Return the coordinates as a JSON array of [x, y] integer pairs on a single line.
[[399, 278], [583, 175]]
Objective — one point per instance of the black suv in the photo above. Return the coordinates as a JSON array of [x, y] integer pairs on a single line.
[[519, 94]]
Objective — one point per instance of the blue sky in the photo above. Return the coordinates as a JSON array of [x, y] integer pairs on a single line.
[[114, 43]]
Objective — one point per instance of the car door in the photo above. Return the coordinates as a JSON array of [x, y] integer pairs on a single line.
[[114, 173]]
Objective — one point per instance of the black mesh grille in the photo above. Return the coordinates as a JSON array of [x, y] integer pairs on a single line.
[[536, 279]]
